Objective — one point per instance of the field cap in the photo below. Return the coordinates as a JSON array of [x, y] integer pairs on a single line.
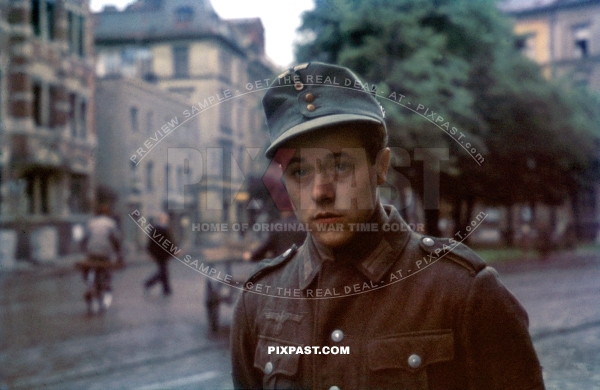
[[314, 96]]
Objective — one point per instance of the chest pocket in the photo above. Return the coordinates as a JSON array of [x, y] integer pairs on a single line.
[[401, 361], [280, 371]]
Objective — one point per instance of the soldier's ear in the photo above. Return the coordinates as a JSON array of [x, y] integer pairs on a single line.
[[382, 163]]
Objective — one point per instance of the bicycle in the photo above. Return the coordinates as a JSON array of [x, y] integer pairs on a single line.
[[97, 275]]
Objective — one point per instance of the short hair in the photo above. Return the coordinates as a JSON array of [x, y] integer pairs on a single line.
[[374, 140]]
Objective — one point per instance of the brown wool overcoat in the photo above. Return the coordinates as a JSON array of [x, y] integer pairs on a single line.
[[415, 312]]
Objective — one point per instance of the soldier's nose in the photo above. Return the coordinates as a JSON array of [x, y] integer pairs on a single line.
[[323, 190]]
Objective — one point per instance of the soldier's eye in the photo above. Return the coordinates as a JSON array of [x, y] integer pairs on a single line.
[[344, 167], [299, 172]]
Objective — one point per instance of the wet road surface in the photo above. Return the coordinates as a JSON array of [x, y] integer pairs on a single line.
[[147, 341]]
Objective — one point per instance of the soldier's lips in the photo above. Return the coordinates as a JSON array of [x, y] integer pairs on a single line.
[[328, 218]]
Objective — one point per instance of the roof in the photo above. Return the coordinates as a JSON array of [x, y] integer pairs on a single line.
[[156, 20]]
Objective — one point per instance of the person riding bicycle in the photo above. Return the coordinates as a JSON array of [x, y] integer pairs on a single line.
[[101, 244]]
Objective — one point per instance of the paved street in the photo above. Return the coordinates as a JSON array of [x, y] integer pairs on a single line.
[[141, 342], [150, 342], [562, 298]]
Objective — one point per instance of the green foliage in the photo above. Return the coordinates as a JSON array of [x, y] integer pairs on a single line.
[[458, 58]]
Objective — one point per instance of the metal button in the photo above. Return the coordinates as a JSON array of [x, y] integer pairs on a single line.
[[334, 388], [414, 361], [309, 97], [310, 107], [268, 368], [298, 86], [337, 335], [427, 241]]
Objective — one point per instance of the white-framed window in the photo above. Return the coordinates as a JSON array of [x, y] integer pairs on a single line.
[[42, 18], [581, 40], [76, 33]]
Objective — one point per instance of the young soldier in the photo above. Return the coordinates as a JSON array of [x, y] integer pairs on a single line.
[[412, 312]]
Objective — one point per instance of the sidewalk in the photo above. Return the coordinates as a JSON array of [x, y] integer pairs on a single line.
[[63, 265], [557, 260]]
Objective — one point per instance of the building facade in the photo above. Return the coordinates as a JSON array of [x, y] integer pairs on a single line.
[[47, 84], [218, 66], [563, 37], [132, 116]]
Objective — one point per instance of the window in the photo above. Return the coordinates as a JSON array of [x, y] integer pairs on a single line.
[[77, 116], [184, 15], [38, 104], [37, 193], [241, 119], [179, 178], [43, 105], [53, 112], [42, 18], [581, 40], [50, 20], [149, 122], [77, 201], [225, 118], [225, 60], [1, 100], [227, 147], [526, 45], [167, 174], [82, 119], [76, 31], [149, 176], [81, 36], [133, 112], [35, 17], [181, 61], [72, 115]]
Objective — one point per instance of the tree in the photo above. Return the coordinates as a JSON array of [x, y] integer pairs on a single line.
[[452, 64]]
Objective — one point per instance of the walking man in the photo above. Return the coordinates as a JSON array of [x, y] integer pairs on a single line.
[[160, 255]]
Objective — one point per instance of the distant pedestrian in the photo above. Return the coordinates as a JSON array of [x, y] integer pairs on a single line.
[[102, 245], [160, 254]]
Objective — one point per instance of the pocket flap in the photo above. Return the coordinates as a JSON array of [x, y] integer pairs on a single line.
[[411, 351], [286, 364]]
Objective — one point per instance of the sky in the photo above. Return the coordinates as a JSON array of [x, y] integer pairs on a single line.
[[280, 18]]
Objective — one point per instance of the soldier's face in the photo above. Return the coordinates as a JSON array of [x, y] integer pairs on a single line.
[[332, 183]]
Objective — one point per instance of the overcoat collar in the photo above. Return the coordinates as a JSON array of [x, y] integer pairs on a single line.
[[394, 236]]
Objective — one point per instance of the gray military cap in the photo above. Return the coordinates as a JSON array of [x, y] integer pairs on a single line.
[[313, 96]]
